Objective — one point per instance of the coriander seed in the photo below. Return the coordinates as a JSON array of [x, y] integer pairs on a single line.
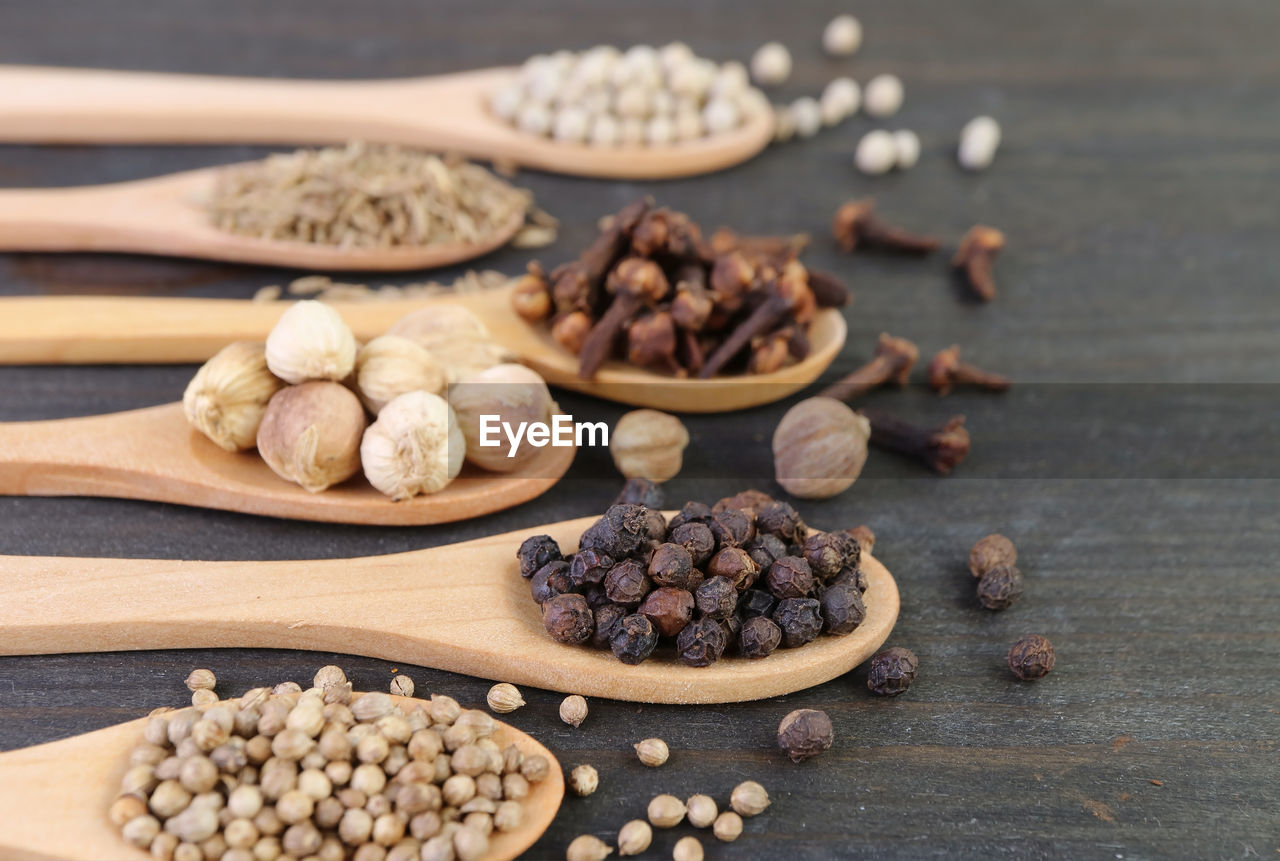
[[805, 733], [587, 847], [666, 811], [702, 810], [203, 698], [504, 698], [749, 798], [201, 680], [687, 849], [727, 827], [584, 780], [330, 675], [653, 752], [573, 710], [634, 837]]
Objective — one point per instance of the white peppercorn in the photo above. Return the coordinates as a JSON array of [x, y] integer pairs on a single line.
[[979, 140], [604, 131], [906, 147], [720, 115], [771, 64], [727, 827], [842, 36], [687, 849], [806, 116], [876, 153], [840, 100], [882, 96]]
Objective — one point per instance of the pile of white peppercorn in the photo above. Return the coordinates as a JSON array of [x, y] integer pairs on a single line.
[[321, 773]]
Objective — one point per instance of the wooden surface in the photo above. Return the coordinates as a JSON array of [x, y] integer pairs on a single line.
[[1135, 462], [408, 607], [48, 818]]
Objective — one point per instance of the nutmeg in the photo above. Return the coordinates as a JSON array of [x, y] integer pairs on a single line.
[[389, 366], [228, 396], [648, 444], [511, 392], [819, 448], [311, 341], [414, 447], [310, 434]]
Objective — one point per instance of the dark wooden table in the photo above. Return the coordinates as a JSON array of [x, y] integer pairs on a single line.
[[1135, 464]]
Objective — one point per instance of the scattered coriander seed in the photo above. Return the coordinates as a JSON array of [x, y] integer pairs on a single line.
[[634, 837], [989, 552], [504, 698], [771, 64], [806, 116], [892, 671], [906, 145], [653, 752], [203, 698], [876, 153], [979, 140], [201, 680], [727, 827], [687, 849], [701, 810], [805, 733], [573, 710], [842, 36], [1031, 658], [587, 847], [330, 675], [882, 96], [666, 811], [749, 798], [584, 780]]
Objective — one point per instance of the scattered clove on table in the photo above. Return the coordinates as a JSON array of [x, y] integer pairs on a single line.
[[974, 258], [946, 371], [893, 361], [941, 448], [856, 226]]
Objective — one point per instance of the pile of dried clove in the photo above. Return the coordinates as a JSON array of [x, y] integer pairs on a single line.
[[651, 290], [743, 576]]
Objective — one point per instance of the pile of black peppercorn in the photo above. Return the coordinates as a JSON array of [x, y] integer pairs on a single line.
[[741, 577]]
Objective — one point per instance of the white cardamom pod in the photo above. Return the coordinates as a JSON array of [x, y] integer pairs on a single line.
[[389, 366], [311, 341], [414, 447], [228, 396]]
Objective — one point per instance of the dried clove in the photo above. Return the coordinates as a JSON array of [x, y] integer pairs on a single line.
[[974, 257], [570, 330], [941, 448], [946, 371], [856, 226], [575, 285], [635, 283], [651, 342], [892, 363], [530, 295], [828, 290]]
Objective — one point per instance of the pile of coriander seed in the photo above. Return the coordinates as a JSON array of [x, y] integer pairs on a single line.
[[321, 773]]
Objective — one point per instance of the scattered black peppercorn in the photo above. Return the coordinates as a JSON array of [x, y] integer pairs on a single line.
[[696, 538], [716, 598], [734, 563], [640, 491], [799, 620], [805, 733], [1031, 658], [626, 583], [732, 527], [669, 609], [766, 549], [842, 607], [756, 602], [691, 512], [829, 552], [634, 639], [589, 566], [607, 617], [790, 577], [892, 671], [701, 643], [618, 533], [568, 619], [671, 565], [551, 580], [535, 552], [759, 637], [990, 552], [1000, 587], [781, 520]]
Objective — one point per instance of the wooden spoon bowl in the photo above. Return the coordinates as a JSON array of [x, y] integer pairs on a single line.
[[461, 607], [155, 454], [446, 112], [97, 329], [55, 797]]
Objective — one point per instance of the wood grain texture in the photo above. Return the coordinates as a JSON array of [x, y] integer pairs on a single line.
[[1136, 187]]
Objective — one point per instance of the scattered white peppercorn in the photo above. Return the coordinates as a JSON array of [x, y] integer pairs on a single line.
[[687, 849], [749, 798], [876, 153], [979, 140], [784, 124], [702, 810], [842, 36], [840, 100], [584, 780], [666, 811], [906, 147], [504, 698], [882, 96], [402, 685], [727, 827], [634, 837], [771, 64], [587, 847], [573, 710], [806, 116], [201, 680], [653, 752]]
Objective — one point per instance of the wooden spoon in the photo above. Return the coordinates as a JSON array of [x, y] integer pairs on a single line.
[[462, 607], [166, 215], [155, 454], [445, 112], [55, 797], [92, 329]]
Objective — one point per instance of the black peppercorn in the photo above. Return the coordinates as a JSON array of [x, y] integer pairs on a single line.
[[595, 595], [551, 580], [696, 538], [842, 607], [619, 532], [732, 626], [671, 565], [829, 552], [790, 577], [1031, 658], [759, 637], [640, 491], [535, 552], [734, 563], [568, 619], [668, 608], [691, 512], [626, 583], [756, 602], [805, 733], [634, 639], [780, 520], [1000, 587], [747, 500], [766, 549], [589, 566], [799, 619], [701, 643], [892, 671], [717, 597], [854, 576], [655, 527], [607, 617], [990, 552], [732, 527]]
